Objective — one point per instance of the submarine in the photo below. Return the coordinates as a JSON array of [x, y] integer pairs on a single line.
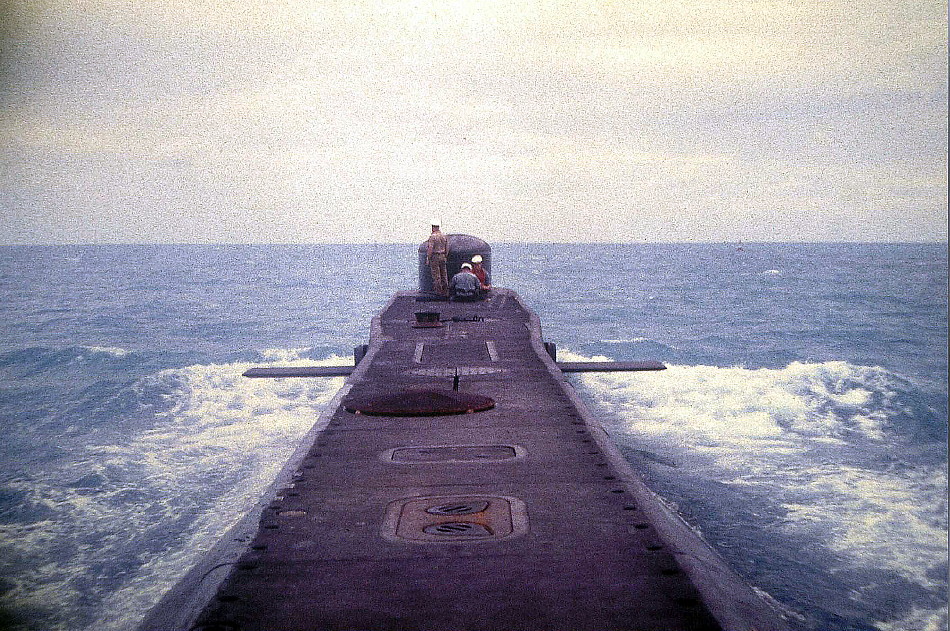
[[457, 482]]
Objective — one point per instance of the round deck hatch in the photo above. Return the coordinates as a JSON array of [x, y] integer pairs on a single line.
[[428, 402]]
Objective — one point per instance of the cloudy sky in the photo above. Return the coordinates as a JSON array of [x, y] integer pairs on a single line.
[[300, 121]]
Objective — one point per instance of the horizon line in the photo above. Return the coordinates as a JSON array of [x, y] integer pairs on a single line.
[[386, 243]]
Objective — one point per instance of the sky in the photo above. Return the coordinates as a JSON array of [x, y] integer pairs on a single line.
[[292, 121]]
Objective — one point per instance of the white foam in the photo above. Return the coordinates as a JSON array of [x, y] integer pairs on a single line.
[[898, 519], [567, 355], [114, 351], [224, 425], [218, 445], [285, 354], [918, 619], [797, 433], [735, 405], [632, 340]]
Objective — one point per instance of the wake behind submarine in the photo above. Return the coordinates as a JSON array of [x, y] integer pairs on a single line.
[[457, 483]]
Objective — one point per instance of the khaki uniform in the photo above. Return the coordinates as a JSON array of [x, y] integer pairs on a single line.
[[437, 250]]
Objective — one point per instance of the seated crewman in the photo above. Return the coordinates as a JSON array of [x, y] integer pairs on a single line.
[[484, 278], [464, 286]]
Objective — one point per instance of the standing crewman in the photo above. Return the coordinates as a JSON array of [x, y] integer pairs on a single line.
[[437, 250]]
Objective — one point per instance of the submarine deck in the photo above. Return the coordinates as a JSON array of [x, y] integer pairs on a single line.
[[520, 517]]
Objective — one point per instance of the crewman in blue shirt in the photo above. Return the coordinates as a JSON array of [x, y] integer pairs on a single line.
[[464, 286]]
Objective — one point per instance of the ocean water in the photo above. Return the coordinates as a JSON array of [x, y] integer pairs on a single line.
[[801, 426]]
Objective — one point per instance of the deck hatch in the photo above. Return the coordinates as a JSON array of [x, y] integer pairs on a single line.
[[455, 351], [459, 508], [454, 453], [458, 529], [416, 402], [441, 519]]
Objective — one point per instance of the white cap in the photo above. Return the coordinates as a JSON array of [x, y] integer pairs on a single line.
[[435, 222], [466, 266], [477, 258]]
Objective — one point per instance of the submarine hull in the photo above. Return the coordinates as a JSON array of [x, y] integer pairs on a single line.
[[519, 515]]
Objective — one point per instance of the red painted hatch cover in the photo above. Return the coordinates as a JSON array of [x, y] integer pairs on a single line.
[[428, 402]]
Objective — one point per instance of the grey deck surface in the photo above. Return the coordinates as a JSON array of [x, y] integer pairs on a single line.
[[576, 550]]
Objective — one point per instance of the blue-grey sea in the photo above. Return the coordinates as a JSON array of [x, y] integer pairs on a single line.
[[801, 426]]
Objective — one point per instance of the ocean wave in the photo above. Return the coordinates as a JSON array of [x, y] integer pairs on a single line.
[[113, 351], [633, 340], [898, 519], [918, 619], [120, 521], [832, 400], [567, 355], [820, 445], [285, 354], [39, 359]]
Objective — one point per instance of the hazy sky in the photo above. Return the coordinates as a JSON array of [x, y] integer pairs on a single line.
[[322, 121]]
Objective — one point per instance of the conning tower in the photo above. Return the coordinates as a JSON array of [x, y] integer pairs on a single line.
[[462, 247]]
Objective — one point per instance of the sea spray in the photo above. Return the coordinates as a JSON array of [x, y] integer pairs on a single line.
[[140, 513], [820, 448]]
